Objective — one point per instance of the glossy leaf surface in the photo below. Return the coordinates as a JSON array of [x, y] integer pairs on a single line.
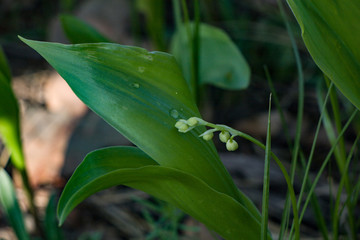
[[142, 94], [9, 122], [10, 205], [221, 62], [78, 31], [129, 166], [331, 32]]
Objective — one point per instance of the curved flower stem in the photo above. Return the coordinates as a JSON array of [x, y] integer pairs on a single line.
[[235, 133]]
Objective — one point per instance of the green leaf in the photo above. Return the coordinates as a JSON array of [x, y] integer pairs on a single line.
[[10, 205], [52, 229], [221, 62], [129, 166], [78, 31], [10, 123], [331, 32], [142, 94], [4, 66]]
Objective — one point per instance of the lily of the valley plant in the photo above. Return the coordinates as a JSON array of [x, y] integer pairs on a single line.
[[143, 94]]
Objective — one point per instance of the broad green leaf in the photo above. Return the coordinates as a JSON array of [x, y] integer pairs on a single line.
[[221, 62], [331, 32], [78, 31], [142, 94], [129, 166], [4, 66], [10, 206], [9, 123]]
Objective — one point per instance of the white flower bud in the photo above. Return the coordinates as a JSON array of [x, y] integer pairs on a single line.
[[231, 145], [192, 121], [181, 126], [208, 136], [224, 136]]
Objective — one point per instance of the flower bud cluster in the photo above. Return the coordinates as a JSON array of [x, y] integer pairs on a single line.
[[224, 136], [182, 126], [186, 125], [231, 144]]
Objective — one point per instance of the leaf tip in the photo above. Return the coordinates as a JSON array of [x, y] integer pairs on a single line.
[[61, 218], [21, 38], [26, 41], [61, 213]]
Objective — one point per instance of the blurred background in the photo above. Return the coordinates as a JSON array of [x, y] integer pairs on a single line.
[[58, 129]]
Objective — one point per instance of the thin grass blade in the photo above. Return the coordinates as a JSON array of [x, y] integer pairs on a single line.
[[266, 181], [322, 168], [52, 229], [337, 212]]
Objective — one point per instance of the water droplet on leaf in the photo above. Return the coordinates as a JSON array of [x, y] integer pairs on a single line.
[[135, 85], [174, 113], [148, 57], [141, 69]]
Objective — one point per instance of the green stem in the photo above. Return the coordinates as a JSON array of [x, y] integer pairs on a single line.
[[312, 151], [314, 201], [327, 159], [193, 83], [27, 188], [337, 214], [278, 107], [285, 214], [300, 97], [234, 132], [341, 156], [177, 14], [30, 195], [266, 184]]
